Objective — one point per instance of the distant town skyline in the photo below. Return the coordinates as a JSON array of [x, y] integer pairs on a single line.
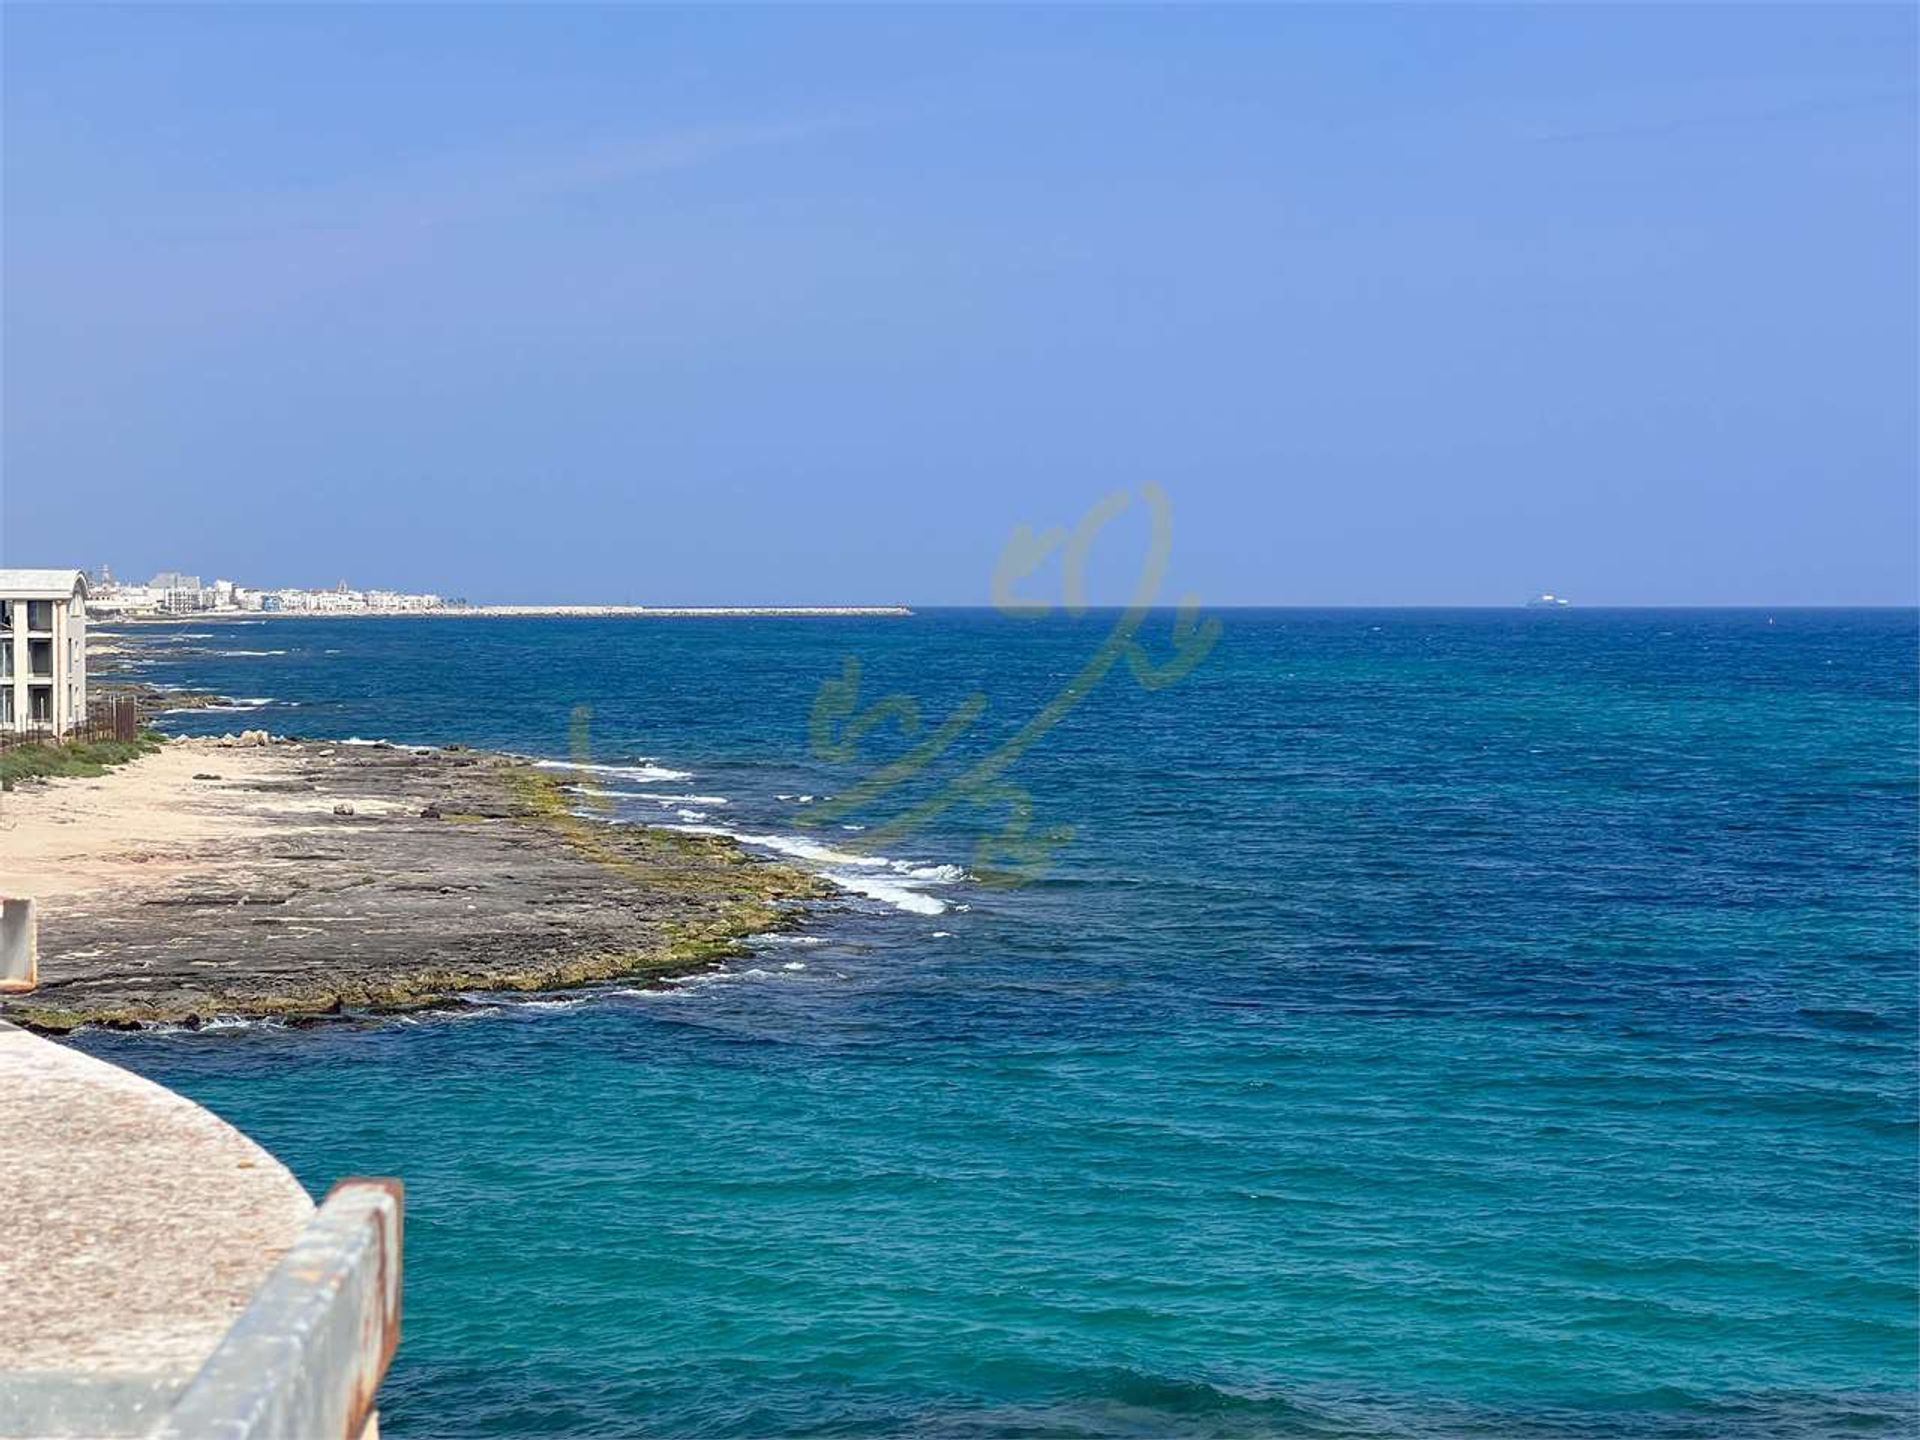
[[796, 306], [177, 592], [219, 592]]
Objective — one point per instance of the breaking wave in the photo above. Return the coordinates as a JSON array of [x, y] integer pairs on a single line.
[[642, 772], [899, 883], [229, 703]]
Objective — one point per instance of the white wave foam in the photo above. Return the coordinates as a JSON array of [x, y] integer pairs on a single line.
[[642, 773], [236, 702], [691, 814], [217, 1022], [888, 892], [853, 872], [238, 653], [801, 848], [932, 874], [657, 796]]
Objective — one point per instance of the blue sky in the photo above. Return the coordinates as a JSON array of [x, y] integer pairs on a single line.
[[1440, 305]]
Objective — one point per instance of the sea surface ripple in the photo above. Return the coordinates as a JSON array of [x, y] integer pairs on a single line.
[[1438, 1024]]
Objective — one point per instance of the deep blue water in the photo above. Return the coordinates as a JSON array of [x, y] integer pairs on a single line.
[[1437, 1023]]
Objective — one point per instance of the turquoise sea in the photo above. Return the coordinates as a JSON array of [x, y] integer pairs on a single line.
[[1435, 1024]]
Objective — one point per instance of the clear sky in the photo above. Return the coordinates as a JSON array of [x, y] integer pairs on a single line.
[[1440, 305]]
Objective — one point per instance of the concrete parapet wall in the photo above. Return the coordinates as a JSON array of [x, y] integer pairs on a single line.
[[156, 1258], [19, 945], [312, 1348]]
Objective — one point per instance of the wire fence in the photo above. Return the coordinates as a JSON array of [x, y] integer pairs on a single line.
[[110, 717]]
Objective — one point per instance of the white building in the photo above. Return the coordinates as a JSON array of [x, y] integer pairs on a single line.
[[43, 649], [122, 600]]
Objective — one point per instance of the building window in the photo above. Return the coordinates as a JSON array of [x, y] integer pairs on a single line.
[[6, 614], [39, 615], [40, 658], [40, 704], [6, 706]]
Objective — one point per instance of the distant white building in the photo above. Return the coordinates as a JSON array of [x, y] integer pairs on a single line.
[[43, 649], [174, 593], [117, 601], [180, 594]]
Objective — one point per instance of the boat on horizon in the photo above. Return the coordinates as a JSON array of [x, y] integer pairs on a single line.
[[1547, 600]]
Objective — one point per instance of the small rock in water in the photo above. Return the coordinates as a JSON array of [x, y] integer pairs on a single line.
[[205, 775], [343, 808], [431, 812]]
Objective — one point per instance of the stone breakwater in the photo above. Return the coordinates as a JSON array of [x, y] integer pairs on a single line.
[[304, 879]]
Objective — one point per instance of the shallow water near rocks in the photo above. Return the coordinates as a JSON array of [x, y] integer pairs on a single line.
[[1438, 1023]]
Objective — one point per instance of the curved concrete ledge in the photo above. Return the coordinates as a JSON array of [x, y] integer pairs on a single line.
[[139, 1230]]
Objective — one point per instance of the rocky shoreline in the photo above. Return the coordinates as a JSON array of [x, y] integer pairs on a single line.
[[309, 879]]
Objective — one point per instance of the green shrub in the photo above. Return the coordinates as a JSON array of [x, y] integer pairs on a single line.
[[80, 757]]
